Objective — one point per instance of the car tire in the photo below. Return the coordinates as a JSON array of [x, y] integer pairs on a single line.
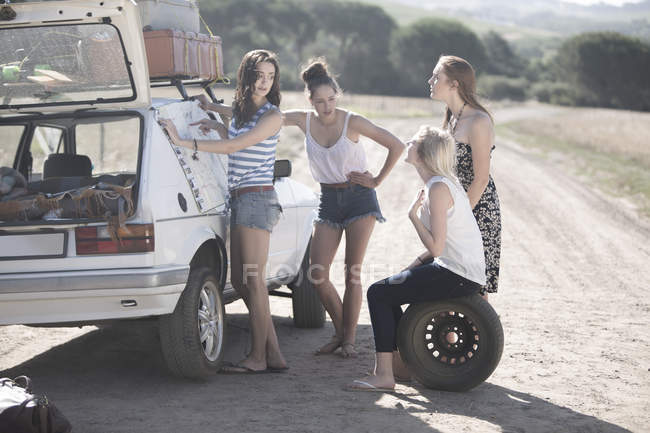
[[192, 337], [308, 311], [451, 345]]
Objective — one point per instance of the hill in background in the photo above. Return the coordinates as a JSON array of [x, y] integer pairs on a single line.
[[533, 27]]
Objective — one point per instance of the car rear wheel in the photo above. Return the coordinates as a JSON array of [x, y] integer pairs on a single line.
[[451, 345], [192, 337], [308, 311]]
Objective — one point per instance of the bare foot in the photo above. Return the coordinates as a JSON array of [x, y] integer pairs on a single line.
[[348, 350], [275, 361], [330, 347], [252, 364]]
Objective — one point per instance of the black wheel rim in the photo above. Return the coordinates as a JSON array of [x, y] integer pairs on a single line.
[[451, 338]]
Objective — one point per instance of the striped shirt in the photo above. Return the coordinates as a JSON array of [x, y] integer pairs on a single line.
[[252, 166]]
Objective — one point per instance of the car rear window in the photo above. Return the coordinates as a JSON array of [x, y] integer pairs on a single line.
[[63, 64]]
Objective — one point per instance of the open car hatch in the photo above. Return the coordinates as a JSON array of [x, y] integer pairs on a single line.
[[68, 55]]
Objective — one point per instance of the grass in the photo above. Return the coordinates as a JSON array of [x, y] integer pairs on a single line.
[[607, 147]]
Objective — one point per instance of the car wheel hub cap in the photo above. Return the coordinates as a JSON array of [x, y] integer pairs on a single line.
[[210, 321], [451, 338]]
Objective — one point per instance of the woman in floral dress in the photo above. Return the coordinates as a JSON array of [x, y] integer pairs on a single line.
[[454, 82]]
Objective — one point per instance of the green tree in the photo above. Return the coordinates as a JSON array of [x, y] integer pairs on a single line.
[[361, 36], [502, 60], [607, 69], [416, 50], [284, 26]]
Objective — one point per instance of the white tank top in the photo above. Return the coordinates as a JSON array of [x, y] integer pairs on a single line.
[[333, 164], [463, 253]]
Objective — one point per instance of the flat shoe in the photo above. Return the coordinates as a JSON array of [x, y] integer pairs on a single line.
[[360, 385], [397, 378]]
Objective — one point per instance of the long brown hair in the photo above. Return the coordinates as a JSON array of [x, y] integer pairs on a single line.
[[243, 108], [316, 74], [459, 69]]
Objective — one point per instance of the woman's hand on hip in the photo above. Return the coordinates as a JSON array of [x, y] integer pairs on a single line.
[[364, 179]]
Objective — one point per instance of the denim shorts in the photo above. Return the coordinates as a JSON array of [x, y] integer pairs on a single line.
[[339, 207], [256, 209]]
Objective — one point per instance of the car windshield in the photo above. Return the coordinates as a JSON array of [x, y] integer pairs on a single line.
[[63, 64]]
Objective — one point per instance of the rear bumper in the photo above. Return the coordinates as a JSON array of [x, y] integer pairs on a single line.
[[92, 280], [59, 297]]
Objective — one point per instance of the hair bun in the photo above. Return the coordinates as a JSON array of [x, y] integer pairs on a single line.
[[317, 68]]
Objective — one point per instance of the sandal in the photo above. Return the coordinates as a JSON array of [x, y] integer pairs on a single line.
[[330, 347], [348, 351], [230, 368], [362, 385]]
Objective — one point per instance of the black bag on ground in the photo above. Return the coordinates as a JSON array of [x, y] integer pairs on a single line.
[[23, 412]]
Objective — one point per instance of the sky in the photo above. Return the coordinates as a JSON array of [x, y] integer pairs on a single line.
[[611, 2]]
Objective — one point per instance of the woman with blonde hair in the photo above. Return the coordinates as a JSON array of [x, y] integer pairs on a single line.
[[452, 264], [453, 82], [348, 202]]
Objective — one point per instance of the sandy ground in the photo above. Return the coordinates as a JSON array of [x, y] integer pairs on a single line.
[[572, 300]]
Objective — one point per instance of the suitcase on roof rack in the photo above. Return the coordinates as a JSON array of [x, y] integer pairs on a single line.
[[178, 54], [170, 14]]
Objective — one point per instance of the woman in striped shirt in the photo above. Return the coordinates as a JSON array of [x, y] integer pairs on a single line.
[[250, 142]]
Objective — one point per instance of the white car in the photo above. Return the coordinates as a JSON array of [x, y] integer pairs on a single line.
[[115, 222]]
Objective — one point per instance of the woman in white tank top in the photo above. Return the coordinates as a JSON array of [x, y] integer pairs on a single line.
[[348, 199], [452, 265]]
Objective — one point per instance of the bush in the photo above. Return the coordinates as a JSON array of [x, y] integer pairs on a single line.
[[499, 87], [607, 70], [554, 93]]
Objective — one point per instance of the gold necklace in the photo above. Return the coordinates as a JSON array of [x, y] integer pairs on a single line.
[[456, 119]]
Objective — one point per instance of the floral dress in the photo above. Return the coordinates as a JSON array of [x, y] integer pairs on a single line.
[[487, 214]]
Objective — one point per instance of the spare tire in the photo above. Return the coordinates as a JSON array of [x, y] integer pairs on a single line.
[[308, 311], [451, 345]]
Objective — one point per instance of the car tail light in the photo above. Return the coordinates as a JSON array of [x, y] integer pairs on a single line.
[[132, 238]]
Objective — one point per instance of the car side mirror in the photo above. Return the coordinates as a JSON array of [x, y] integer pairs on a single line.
[[282, 168]]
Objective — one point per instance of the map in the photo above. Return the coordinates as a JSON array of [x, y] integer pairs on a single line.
[[206, 173]]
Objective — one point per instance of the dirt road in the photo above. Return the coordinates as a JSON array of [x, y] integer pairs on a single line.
[[572, 300]]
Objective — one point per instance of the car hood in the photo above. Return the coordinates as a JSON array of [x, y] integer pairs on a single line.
[[69, 55]]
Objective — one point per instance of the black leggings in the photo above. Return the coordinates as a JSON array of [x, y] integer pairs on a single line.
[[424, 283]]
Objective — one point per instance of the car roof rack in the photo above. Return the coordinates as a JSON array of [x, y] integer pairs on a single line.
[[181, 83]]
